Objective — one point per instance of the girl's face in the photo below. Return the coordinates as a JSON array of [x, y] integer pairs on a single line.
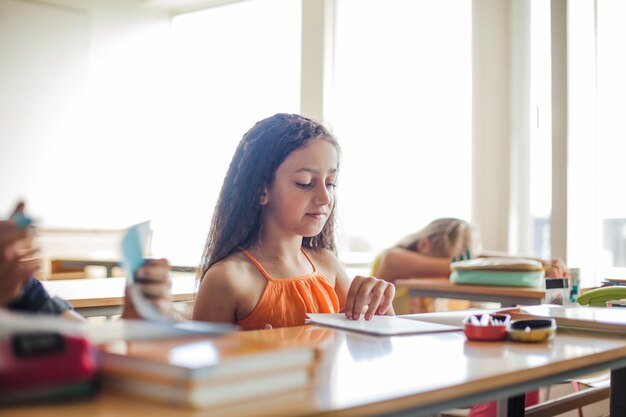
[[302, 195]]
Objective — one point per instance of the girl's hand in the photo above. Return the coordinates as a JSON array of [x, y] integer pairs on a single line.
[[154, 279], [373, 293]]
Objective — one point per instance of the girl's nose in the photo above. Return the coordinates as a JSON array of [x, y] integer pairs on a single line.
[[323, 195]]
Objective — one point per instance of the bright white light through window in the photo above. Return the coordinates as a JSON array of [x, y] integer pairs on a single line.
[[402, 115]]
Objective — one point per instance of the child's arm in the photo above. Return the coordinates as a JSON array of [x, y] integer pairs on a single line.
[[399, 263], [216, 300]]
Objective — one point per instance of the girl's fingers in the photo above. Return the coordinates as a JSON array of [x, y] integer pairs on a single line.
[[370, 294], [355, 301], [363, 298], [381, 299], [390, 293], [350, 298], [376, 298]]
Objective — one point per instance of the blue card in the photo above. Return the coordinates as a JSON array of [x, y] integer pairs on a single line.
[[133, 248]]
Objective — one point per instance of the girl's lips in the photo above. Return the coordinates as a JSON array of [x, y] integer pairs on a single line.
[[316, 215]]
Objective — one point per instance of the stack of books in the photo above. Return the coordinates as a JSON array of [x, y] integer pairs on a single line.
[[206, 372], [614, 281]]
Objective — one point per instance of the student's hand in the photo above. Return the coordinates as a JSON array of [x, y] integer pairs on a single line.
[[10, 232], [15, 273], [373, 293], [555, 268], [16, 266], [154, 279]]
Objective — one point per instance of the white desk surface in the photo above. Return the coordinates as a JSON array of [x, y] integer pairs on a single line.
[[417, 375]]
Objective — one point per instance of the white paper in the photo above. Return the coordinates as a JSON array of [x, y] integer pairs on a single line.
[[451, 318], [380, 325]]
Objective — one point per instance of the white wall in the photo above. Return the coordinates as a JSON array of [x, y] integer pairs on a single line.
[[85, 114], [74, 113]]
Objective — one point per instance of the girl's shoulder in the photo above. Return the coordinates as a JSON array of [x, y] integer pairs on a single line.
[[232, 271]]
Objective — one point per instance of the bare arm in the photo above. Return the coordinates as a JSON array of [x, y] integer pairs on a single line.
[[216, 300], [399, 263]]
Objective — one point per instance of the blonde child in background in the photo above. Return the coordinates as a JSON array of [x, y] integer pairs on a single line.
[[426, 254], [429, 252], [270, 255]]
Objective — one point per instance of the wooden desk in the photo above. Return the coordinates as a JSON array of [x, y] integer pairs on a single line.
[[443, 288], [105, 296], [79, 264], [360, 375]]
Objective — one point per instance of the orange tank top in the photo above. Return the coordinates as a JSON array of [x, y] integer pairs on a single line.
[[286, 301]]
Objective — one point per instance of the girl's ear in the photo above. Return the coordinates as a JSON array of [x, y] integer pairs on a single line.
[[264, 198], [423, 246]]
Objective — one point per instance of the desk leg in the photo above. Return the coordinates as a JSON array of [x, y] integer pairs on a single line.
[[618, 388], [515, 406]]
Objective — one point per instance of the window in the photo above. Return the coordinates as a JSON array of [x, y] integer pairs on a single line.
[[597, 230], [234, 65], [120, 113], [402, 114], [540, 130]]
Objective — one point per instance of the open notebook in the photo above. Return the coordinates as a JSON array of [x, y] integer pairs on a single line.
[[380, 325]]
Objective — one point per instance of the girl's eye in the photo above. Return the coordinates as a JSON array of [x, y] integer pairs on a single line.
[[331, 185], [304, 185]]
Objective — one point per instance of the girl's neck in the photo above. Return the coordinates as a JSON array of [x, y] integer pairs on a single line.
[[274, 245], [277, 251], [281, 258]]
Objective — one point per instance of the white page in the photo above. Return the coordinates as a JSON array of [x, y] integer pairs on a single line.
[[451, 318], [380, 325]]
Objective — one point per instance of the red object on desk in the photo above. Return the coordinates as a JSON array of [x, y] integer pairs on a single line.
[[46, 366], [488, 331]]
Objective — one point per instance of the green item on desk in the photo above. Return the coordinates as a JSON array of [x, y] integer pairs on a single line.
[[504, 278], [515, 272], [598, 297]]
